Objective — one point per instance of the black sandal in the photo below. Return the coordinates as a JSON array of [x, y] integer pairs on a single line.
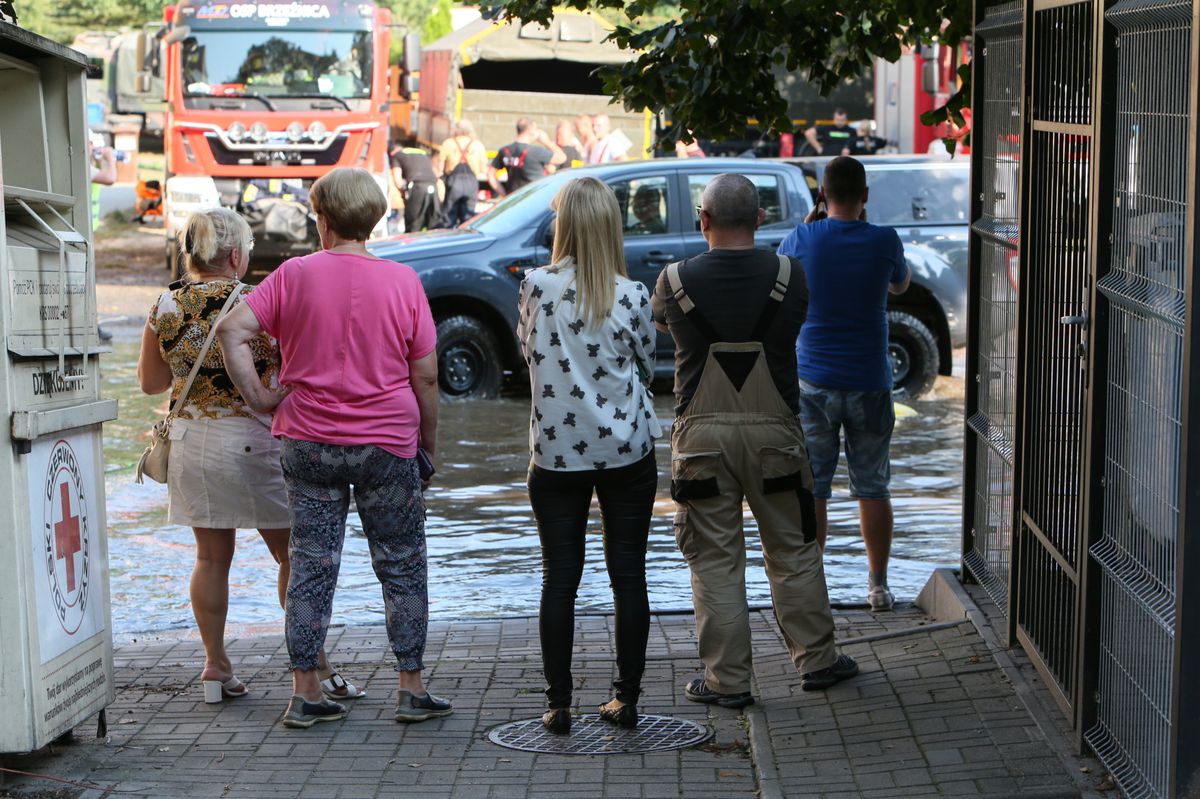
[[557, 720], [623, 715]]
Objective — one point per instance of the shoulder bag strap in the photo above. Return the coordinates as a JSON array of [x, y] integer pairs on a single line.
[[187, 387]]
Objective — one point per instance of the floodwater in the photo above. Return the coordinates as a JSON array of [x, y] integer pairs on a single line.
[[483, 547]]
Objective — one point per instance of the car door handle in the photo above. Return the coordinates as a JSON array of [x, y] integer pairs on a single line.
[[658, 257]]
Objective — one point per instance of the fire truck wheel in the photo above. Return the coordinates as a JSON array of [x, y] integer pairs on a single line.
[[469, 363]]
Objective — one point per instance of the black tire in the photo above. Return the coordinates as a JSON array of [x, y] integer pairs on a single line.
[[913, 352], [469, 364], [174, 259]]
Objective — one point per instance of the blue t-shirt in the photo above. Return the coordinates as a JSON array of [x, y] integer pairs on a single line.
[[848, 266]]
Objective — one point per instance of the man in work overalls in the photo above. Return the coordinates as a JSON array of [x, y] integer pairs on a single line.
[[734, 313]]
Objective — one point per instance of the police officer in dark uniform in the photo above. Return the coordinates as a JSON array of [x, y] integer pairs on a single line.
[[835, 139], [413, 176]]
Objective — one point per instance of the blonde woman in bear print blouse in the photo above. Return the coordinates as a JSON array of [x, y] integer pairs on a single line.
[[587, 335]]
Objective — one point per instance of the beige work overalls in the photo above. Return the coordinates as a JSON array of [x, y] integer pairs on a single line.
[[738, 439]]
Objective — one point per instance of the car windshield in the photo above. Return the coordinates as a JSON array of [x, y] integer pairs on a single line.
[[929, 194], [521, 208], [291, 63]]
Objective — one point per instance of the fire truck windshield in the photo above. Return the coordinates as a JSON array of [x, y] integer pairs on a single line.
[[230, 63]]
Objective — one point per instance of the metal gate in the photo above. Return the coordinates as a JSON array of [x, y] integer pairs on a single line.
[[1084, 366], [1055, 279], [992, 348]]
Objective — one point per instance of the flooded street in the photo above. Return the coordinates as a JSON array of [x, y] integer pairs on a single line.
[[483, 548]]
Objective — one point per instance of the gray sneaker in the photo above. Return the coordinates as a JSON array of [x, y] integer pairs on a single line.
[[411, 708], [303, 714]]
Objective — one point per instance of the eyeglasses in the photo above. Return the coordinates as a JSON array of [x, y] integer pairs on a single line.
[[250, 245], [698, 210]]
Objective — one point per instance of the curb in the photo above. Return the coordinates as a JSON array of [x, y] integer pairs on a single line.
[[762, 754]]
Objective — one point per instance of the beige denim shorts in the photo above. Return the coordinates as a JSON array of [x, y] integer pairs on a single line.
[[225, 473]]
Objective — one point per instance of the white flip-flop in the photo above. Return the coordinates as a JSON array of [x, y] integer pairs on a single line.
[[335, 683]]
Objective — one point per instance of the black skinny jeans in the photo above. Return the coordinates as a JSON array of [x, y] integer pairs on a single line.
[[561, 501]]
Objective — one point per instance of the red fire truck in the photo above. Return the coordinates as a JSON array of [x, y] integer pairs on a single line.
[[262, 98]]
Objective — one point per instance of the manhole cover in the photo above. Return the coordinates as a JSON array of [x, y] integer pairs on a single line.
[[591, 736]]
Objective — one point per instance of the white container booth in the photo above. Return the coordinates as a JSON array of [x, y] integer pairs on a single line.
[[55, 630]]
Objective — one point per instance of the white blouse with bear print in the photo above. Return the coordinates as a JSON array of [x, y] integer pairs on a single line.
[[590, 408]]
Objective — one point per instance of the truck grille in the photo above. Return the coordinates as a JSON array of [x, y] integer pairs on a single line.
[[276, 155]]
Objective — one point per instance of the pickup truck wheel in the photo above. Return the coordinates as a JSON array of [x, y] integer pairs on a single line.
[[913, 353], [469, 364]]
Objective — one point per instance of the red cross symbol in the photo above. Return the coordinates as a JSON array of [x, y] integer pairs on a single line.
[[66, 536]]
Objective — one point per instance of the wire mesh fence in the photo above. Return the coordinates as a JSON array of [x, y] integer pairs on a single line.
[[1075, 512], [997, 145], [1144, 286]]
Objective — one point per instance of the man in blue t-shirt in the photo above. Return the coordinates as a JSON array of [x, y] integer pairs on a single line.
[[842, 360]]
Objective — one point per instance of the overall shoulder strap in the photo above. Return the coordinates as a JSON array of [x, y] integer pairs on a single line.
[[775, 299], [676, 285], [687, 306]]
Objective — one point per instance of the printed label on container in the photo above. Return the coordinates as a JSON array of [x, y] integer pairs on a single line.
[[65, 529]]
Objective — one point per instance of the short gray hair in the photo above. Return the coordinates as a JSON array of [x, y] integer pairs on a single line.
[[731, 201], [463, 127]]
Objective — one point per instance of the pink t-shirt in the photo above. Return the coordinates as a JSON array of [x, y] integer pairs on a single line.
[[348, 327]]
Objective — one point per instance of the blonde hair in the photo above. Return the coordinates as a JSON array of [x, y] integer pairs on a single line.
[[588, 231], [350, 200], [210, 236]]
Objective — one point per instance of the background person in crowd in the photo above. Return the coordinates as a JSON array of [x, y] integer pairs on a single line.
[[845, 376], [357, 400], [587, 134], [866, 142], [461, 163], [413, 176], [586, 333], [531, 156], [835, 139], [568, 142], [734, 312], [102, 171], [224, 469], [610, 145], [690, 149]]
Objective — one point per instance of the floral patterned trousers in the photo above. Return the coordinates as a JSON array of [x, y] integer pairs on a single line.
[[387, 492]]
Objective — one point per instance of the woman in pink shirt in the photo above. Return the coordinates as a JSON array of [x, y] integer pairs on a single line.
[[358, 396]]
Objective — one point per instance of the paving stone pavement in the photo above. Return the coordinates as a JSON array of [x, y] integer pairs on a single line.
[[931, 714]]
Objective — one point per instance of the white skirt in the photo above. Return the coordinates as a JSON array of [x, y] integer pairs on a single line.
[[225, 473]]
